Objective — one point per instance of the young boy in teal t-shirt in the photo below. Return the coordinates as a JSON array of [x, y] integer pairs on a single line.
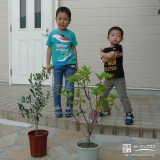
[[62, 48]]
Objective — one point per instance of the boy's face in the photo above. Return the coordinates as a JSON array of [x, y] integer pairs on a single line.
[[115, 37], [62, 20]]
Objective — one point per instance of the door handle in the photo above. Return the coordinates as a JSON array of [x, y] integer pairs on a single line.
[[44, 34]]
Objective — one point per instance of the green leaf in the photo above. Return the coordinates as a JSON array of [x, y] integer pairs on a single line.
[[85, 71], [31, 76], [101, 87], [48, 95], [98, 76], [31, 90], [106, 108], [78, 93], [101, 110], [80, 83], [158, 11], [30, 81], [22, 99], [69, 95], [51, 66], [106, 100], [82, 100], [107, 75], [43, 68], [29, 97], [74, 78], [96, 91], [39, 114], [82, 112], [75, 102], [100, 103], [47, 77], [113, 96], [77, 114]]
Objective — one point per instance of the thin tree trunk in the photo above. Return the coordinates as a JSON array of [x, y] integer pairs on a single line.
[[36, 125]]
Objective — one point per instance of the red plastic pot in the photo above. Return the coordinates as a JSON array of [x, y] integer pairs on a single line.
[[38, 144]]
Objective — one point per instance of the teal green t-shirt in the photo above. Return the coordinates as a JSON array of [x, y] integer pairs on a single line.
[[62, 43]]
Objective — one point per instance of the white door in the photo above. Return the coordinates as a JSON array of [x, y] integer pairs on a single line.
[[31, 22]]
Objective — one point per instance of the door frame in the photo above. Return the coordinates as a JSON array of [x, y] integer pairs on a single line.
[[10, 38]]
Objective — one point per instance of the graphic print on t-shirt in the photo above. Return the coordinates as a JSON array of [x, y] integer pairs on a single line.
[[60, 38], [110, 66], [62, 49]]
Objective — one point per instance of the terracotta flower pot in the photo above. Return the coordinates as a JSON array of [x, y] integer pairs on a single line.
[[38, 144]]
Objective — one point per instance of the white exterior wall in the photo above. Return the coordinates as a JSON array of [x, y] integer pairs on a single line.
[[4, 48], [91, 20]]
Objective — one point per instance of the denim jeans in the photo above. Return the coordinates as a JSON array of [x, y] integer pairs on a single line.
[[65, 71]]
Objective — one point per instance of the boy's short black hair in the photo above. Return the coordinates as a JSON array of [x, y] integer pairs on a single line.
[[116, 28], [64, 9]]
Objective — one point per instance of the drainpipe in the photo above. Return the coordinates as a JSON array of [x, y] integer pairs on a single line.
[[56, 7]]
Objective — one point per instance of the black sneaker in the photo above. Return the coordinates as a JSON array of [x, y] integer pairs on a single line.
[[58, 112], [68, 112]]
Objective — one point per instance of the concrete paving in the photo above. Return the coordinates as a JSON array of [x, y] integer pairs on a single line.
[[146, 110], [14, 144], [141, 141]]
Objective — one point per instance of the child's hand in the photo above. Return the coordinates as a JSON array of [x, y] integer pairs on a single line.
[[76, 69], [48, 68], [118, 54], [101, 49]]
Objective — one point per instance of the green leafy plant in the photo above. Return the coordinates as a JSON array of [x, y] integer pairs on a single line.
[[84, 93], [32, 105]]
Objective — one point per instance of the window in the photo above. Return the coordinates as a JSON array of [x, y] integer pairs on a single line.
[[22, 14], [37, 14]]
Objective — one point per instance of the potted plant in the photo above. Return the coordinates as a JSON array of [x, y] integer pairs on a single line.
[[31, 106], [88, 148]]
